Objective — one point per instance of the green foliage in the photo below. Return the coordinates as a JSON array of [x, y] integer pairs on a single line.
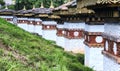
[[21, 3], [11, 7], [41, 54], [2, 2], [29, 3]]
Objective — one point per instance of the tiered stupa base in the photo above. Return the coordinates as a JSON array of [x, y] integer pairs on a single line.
[[73, 37], [111, 50], [31, 27], [8, 18], [94, 44], [60, 35], [38, 26], [94, 58], [74, 45], [22, 23], [49, 30]]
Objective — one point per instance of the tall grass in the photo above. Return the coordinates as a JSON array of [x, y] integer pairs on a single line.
[[41, 54]]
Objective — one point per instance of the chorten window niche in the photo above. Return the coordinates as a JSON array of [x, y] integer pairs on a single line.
[[98, 39], [115, 48], [76, 34], [106, 45], [88, 38], [110, 49], [118, 49], [38, 23], [48, 27], [63, 32]]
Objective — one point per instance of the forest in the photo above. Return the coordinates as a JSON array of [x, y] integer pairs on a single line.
[[19, 4], [29, 3]]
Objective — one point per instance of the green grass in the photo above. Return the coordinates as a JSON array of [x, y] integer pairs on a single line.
[[41, 54]]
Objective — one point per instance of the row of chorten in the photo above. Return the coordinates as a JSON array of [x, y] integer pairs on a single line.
[[78, 28]]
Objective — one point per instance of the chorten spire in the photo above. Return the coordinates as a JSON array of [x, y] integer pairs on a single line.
[[24, 8], [69, 0], [6, 7], [33, 7], [51, 6], [42, 6]]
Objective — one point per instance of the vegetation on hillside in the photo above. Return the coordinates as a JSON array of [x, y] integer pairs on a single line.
[[29, 3], [2, 2], [19, 4], [22, 51]]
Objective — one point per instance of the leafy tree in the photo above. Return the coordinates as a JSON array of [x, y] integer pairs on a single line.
[[29, 3], [21, 3], [2, 2]]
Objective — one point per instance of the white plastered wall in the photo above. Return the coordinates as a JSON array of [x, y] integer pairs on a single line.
[[74, 25], [31, 27], [7, 17], [112, 29], [93, 55], [49, 34], [38, 28], [109, 63], [94, 28], [94, 58], [74, 45], [60, 39], [24, 26]]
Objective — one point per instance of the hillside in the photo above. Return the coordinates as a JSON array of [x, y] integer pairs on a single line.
[[22, 51]]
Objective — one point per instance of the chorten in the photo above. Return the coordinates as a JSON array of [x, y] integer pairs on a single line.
[[22, 20], [72, 28], [7, 14], [48, 25]]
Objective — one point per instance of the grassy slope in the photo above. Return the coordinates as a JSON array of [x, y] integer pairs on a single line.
[[39, 54]]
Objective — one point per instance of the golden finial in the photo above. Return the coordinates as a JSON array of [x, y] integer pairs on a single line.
[[42, 6], [68, 0], [114, 1], [24, 8], [51, 6], [80, 11], [6, 7], [33, 7], [98, 1]]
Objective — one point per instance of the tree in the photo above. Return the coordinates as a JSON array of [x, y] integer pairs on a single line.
[[29, 3], [2, 2], [21, 3]]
